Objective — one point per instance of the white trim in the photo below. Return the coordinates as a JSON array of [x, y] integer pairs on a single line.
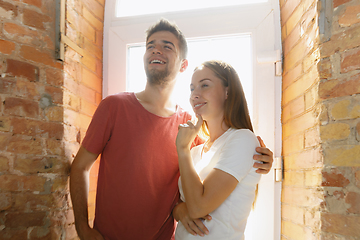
[[262, 21], [132, 30]]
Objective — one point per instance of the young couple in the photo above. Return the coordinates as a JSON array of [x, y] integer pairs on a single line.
[[144, 140]]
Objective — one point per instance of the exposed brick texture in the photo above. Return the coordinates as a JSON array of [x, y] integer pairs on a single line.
[[35, 19], [6, 47], [321, 120], [22, 69], [347, 226], [350, 16], [46, 106], [8, 10], [337, 3], [38, 136]]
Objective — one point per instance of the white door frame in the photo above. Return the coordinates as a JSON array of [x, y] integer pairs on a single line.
[[262, 21]]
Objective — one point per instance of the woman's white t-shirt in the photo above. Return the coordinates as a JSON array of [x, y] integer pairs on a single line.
[[232, 153]]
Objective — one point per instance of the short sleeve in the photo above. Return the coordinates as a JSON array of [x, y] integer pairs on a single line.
[[236, 156], [196, 154], [100, 128]]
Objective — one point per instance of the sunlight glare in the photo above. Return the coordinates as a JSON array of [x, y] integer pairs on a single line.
[[235, 50], [126, 8]]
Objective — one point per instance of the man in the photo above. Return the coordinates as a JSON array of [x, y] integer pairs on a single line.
[[135, 135]]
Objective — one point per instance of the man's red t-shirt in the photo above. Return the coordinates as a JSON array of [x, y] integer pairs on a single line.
[[137, 184]]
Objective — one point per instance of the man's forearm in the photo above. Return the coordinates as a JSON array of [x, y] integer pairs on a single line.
[[79, 188]]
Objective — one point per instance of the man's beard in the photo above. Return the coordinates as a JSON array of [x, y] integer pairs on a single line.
[[157, 77]]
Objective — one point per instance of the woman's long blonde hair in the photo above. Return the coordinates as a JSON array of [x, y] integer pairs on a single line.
[[236, 113]]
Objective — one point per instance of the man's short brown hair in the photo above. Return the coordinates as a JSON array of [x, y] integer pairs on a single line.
[[165, 25]]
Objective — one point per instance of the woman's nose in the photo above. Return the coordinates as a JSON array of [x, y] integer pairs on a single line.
[[194, 94]]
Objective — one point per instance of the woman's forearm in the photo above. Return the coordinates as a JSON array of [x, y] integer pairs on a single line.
[[192, 186], [203, 197]]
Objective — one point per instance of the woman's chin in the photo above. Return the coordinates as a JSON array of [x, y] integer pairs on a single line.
[[198, 113]]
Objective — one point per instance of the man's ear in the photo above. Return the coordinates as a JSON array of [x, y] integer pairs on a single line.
[[184, 65]]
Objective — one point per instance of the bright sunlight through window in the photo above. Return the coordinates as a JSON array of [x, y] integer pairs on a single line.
[[126, 8], [236, 50]]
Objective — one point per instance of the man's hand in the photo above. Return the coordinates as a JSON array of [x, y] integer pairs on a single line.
[[193, 226], [87, 233], [266, 157]]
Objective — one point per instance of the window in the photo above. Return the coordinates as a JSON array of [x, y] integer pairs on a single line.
[[126, 8], [235, 49], [257, 21]]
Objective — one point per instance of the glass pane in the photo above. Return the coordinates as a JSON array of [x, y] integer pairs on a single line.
[[127, 8], [236, 50]]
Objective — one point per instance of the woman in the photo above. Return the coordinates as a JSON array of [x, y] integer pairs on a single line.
[[218, 177]]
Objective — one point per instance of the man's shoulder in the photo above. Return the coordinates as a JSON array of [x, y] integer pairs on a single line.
[[117, 98], [183, 113]]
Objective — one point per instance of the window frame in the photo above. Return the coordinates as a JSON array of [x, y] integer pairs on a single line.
[[118, 32]]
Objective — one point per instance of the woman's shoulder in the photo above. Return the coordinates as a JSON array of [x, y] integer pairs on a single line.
[[242, 133], [242, 136]]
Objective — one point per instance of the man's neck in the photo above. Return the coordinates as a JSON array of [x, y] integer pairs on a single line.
[[157, 99]]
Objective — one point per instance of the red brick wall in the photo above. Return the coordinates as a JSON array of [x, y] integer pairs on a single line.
[[339, 92], [321, 110], [301, 195], [83, 77], [45, 108]]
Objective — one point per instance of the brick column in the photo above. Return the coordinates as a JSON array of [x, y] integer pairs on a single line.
[[321, 86], [83, 78], [45, 108], [303, 160], [339, 91]]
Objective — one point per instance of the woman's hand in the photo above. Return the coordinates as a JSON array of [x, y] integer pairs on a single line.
[[187, 133]]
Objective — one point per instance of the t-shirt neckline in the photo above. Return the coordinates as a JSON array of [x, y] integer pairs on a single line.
[[153, 114], [213, 146]]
